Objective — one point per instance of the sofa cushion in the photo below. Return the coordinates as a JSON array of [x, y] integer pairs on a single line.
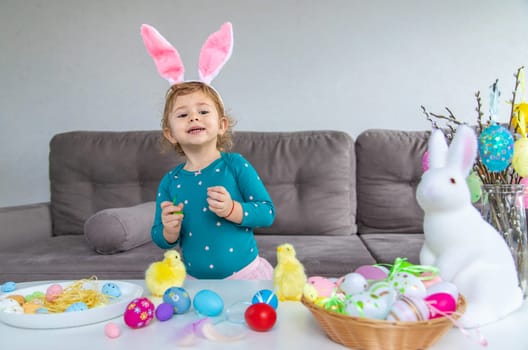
[[311, 177], [389, 167], [117, 230], [95, 170]]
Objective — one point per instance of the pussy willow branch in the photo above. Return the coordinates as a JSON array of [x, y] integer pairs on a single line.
[[514, 95]]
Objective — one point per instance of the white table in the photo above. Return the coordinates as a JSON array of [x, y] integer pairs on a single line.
[[295, 329]]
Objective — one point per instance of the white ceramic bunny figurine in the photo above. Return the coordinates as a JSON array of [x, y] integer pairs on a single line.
[[468, 251]]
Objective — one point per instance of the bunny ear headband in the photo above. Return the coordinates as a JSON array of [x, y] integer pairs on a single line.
[[214, 54]]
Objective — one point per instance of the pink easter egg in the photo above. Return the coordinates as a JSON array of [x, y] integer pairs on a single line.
[[443, 302], [372, 272], [409, 309], [425, 161], [323, 286], [428, 279], [139, 313], [53, 292], [112, 330]]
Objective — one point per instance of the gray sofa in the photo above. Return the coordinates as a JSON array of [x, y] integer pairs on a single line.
[[341, 202]]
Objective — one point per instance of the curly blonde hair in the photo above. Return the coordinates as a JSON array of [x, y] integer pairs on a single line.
[[225, 141]]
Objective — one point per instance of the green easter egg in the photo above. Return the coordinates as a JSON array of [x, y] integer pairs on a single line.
[[475, 186]]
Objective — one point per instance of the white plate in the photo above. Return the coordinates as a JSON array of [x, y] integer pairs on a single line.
[[129, 291]]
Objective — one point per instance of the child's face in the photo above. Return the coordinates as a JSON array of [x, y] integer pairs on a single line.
[[194, 122]]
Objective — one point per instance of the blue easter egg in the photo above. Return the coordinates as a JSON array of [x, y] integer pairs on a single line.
[[266, 296], [208, 303], [8, 287], [496, 147], [111, 289], [178, 298], [78, 306]]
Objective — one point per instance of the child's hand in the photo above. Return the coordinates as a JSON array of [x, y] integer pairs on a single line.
[[171, 218], [220, 201]]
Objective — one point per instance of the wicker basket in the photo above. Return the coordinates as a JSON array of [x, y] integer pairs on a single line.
[[371, 334]]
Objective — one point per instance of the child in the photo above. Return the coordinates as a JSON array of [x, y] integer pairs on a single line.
[[210, 204]]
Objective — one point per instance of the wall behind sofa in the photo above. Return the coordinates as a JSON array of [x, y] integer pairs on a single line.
[[339, 64]]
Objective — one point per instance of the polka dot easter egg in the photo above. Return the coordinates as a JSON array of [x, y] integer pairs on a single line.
[[367, 305], [111, 289], [353, 283], [496, 147], [139, 312], [408, 285]]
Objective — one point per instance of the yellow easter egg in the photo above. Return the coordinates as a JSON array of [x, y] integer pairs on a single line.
[[520, 157], [521, 109]]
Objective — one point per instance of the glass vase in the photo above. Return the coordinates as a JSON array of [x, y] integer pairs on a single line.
[[503, 207]]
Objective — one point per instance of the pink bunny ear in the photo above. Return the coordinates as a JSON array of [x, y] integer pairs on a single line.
[[215, 52], [165, 56], [463, 149]]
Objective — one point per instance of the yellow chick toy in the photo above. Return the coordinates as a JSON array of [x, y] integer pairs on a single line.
[[289, 278], [161, 275]]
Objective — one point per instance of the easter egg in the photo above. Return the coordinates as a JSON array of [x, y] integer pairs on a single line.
[[139, 312], [310, 293], [19, 298], [373, 272], [322, 285], [367, 305], [520, 157], [53, 291], [443, 302], [164, 312], [112, 330], [178, 298], [384, 290], [408, 285], [496, 147], [10, 306], [266, 296], [208, 303], [475, 186], [409, 309], [443, 287], [111, 289], [353, 283], [8, 287], [260, 317], [425, 161], [78, 306]]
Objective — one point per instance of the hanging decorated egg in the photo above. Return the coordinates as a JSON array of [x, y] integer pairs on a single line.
[[409, 309], [425, 161], [407, 284], [496, 147], [367, 305], [521, 109], [475, 186], [440, 304], [139, 312], [520, 156], [353, 283]]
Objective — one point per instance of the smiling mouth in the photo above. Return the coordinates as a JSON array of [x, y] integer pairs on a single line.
[[195, 130]]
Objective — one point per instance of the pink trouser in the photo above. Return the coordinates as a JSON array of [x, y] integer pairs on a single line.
[[258, 269]]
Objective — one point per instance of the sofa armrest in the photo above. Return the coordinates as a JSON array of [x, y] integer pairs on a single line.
[[24, 224]]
